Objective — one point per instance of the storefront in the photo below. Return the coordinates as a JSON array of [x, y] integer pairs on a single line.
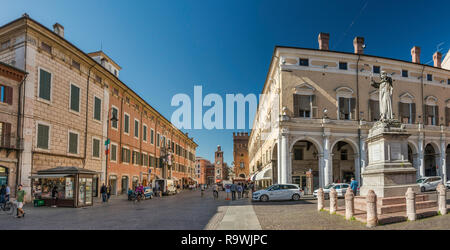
[[75, 186], [263, 178], [3, 176], [113, 184]]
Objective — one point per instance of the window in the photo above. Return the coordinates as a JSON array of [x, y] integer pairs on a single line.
[[76, 65], [404, 73], [46, 47], [343, 65], [6, 94], [45, 84], [298, 154], [73, 143], [74, 98], [304, 62], [407, 112], [5, 45], [347, 108], [144, 160], [43, 133], [151, 161], [5, 134], [126, 125], [136, 128], [376, 69], [431, 115], [98, 78], [429, 77], [97, 109], [448, 81], [374, 110], [157, 139], [95, 148], [447, 116], [304, 105], [125, 155], [144, 133], [241, 165], [136, 158], [152, 136], [113, 152], [114, 113]]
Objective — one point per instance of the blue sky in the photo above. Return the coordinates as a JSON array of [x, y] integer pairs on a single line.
[[167, 47]]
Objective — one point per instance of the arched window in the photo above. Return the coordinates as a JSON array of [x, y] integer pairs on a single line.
[[346, 103], [431, 111]]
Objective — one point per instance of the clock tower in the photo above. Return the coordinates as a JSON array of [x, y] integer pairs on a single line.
[[218, 164]]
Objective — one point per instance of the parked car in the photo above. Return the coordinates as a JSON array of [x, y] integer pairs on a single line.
[[447, 184], [429, 183], [339, 187], [278, 192]]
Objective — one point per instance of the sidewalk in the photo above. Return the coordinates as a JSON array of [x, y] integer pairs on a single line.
[[239, 215]]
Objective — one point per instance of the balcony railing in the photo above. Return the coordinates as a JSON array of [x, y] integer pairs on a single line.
[[11, 142]]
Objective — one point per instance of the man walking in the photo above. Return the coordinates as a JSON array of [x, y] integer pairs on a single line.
[[354, 186], [20, 202], [233, 192], [54, 196], [103, 191], [239, 190]]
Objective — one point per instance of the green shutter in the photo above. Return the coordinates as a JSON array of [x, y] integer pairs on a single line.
[[42, 138], [127, 124], [45, 85], [73, 143], [113, 152], [74, 98], [97, 108], [95, 148], [145, 133]]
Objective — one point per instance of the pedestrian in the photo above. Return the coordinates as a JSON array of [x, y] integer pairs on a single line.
[[104, 191], [8, 193], [233, 192], [239, 191], [108, 192], [216, 192], [54, 196], [20, 202], [354, 186], [2, 194]]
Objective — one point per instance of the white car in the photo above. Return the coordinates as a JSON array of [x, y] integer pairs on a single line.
[[278, 192], [339, 187], [429, 183], [447, 184]]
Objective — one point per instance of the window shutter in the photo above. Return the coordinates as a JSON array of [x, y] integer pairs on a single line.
[[6, 134], [436, 116], [97, 108], [401, 111], [75, 98], [447, 116], [296, 105], [353, 108], [45, 85], [413, 113], [8, 95], [341, 108], [43, 135], [73, 140]]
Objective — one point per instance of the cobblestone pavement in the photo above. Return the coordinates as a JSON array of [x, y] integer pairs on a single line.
[[303, 214], [184, 211]]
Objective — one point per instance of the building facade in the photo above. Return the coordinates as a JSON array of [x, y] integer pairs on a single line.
[[203, 171], [319, 105], [70, 98], [240, 156]]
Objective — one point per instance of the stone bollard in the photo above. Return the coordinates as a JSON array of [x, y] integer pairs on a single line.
[[372, 216], [410, 204], [349, 204], [320, 199], [442, 199], [333, 201]]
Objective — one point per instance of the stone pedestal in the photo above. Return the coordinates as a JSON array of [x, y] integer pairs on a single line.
[[389, 172]]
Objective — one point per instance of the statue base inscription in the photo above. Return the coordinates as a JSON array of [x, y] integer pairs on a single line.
[[389, 172]]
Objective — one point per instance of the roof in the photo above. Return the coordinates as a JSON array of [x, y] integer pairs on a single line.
[[67, 170], [102, 54], [27, 17], [12, 72]]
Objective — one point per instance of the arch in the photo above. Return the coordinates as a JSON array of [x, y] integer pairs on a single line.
[[242, 176], [315, 142], [351, 142], [435, 146], [414, 147], [406, 98], [431, 100], [431, 159]]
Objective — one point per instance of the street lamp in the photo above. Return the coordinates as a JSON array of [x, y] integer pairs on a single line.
[[107, 143]]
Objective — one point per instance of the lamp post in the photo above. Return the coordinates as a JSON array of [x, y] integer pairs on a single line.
[[107, 143]]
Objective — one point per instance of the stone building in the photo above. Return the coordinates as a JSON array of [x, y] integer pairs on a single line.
[[219, 165], [240, 156], [11, 98], [319, 104], [202, 168], [69, 99]]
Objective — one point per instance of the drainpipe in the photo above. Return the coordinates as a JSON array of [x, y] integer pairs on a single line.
[[19, 125], [87, 116], [358, 119]]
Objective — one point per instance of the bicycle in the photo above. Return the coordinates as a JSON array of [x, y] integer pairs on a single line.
[[8, 207]]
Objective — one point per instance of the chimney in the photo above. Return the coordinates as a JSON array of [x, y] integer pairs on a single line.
[[58, 29], [358, 44], [324, 41], [415, 54], [437, 58]]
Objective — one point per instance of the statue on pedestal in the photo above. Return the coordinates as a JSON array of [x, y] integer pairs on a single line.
[[385, 92]]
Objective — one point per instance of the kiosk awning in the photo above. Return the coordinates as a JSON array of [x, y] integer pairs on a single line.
[[265, 174], [48, 176]]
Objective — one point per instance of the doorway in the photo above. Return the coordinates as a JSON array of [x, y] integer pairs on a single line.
[[4, 176]]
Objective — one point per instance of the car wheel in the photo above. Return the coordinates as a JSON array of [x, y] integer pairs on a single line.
[[296, 197], [264, 198], [422, 189]]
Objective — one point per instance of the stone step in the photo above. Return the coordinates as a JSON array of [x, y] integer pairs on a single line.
[[402, 207], [391, 200]]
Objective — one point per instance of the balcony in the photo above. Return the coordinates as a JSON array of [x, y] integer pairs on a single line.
[[11, 142]]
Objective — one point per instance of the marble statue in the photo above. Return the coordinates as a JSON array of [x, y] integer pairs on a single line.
[[385, 92]]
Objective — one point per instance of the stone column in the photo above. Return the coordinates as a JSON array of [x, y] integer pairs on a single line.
[[443, 164], [372, 216], [333, 201], [327, 160], [320, 199], [279, 160], [421, 155], [349, 204], [285, 156], [410, 204], [357, 168], [442, 199], [363, 157]]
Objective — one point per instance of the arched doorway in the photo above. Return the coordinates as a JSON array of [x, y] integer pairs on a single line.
[[344, 156], [412, 158], [124, 183], [305, 158], [430, 160], [4, 174]]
